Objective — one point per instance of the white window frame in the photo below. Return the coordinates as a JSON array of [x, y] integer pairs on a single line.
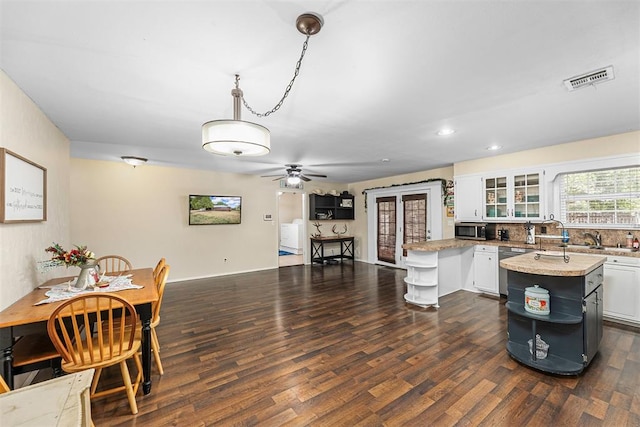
[[603, 163]]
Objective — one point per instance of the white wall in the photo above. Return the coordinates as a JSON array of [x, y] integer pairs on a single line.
[[26, 131]]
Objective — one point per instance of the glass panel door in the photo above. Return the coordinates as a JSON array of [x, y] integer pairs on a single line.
[[414, 207], [386, 229], [495, 197], [526, 195]]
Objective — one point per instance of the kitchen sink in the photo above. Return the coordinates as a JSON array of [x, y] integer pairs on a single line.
[[619, 249]]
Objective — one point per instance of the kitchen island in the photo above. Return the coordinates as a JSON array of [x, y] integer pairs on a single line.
[[568, 337]]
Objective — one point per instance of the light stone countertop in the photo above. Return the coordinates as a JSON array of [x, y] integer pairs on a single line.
[[578, 265], [439, 245]]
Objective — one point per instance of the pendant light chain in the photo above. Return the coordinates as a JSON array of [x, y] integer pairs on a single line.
[[286, 92]]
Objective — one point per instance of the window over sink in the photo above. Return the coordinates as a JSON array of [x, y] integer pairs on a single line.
[[609, 197]]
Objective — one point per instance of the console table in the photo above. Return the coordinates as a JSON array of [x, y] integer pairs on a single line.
[[318, 252]]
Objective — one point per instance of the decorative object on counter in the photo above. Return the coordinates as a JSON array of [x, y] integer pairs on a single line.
[[563, 235], [531, 233], [536, 300], [542, 348], [317, 225], [78, 257], [629, 240], [636, 243], [338, 233]]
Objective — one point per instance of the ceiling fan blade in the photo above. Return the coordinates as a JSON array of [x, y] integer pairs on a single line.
[[279, 178], [317, 175], [304, 178], [271, 176]]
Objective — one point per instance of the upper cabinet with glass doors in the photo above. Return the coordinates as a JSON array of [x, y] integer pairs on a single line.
[[513, 197]]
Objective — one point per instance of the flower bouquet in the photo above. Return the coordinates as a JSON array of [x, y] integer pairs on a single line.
[[78, 257], [73, 258]]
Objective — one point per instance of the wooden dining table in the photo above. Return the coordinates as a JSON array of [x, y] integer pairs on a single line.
[[25, 317]]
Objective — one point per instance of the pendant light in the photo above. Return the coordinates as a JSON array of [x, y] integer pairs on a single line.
[[241, 138]]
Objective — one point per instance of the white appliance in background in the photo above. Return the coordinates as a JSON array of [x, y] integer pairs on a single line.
[[291, 239]]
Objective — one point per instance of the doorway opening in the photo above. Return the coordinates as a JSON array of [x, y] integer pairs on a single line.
[[291, 228]]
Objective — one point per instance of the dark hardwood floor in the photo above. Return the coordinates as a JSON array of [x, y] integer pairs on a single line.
[[338, 346]]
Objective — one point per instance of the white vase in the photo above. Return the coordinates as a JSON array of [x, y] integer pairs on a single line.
[[85, 278]]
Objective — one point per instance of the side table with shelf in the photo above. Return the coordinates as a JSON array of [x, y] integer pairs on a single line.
[[318, 250]]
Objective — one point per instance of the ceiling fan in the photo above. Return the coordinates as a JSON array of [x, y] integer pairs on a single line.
[[294, 174]]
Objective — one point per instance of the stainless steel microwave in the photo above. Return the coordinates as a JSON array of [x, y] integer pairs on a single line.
[[475, 231]]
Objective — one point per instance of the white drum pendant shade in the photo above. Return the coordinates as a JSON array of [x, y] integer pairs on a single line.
[[235, 138]]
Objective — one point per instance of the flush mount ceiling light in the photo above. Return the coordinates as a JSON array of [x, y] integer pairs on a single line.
[[134, 161], [494, 147], [445, 132], [240, 138]]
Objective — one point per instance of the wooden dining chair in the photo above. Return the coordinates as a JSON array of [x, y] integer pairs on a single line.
[[158, 267], [3, 386], [116, 339], [161, 281], [113, 264]]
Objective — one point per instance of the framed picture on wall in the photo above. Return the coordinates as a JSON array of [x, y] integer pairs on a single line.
[[23, 189]]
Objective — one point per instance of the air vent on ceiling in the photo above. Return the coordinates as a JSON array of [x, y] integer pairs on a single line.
[[589, 79]]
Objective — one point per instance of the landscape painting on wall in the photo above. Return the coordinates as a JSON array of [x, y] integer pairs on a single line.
[[207, 210]]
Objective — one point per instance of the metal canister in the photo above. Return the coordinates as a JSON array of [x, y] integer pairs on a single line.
[[536, 300]]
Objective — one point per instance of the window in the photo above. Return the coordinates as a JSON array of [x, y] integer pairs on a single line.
[[606, 197]]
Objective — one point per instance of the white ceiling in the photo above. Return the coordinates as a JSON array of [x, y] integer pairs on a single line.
[[140, 77]]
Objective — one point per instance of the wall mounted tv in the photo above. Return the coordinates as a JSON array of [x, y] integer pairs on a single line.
[[207, 210]]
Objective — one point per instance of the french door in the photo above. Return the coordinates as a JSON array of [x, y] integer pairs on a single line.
[[387, 226], [402, 214]]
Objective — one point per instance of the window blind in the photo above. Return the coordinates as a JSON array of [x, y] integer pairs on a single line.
[[605, 197]]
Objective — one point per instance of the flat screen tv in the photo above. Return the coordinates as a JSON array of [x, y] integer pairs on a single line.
[[208, 210]]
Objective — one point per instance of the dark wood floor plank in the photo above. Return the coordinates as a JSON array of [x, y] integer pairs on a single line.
[[338, 346]]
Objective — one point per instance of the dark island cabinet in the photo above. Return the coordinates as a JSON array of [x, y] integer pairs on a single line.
[[328, 207], [573, 328]]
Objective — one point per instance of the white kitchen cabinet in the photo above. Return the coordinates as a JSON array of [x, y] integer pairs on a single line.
[[485, 268], [422, 278], [622, 288], [513, 196], [468, 198]]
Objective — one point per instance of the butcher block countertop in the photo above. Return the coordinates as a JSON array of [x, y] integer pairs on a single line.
[[439, 245], [578, 265]]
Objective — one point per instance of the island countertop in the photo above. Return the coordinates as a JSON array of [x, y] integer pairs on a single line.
[[578, 265]]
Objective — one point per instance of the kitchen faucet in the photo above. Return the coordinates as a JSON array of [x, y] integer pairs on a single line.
[[597, 239]]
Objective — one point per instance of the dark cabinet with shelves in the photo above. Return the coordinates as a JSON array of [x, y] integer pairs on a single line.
[[573, 328], [331, 207]]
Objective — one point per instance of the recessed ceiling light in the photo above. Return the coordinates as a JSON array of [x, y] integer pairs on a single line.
[[385, 160], [445, 132], [494, 147]]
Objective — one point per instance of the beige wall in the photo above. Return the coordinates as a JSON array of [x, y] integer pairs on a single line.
[[142, 214], [358, 228], [289, 207], [623, 143], [29, 133]]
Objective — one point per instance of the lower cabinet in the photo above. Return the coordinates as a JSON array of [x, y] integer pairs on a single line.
[[422, 278], [570, 333], [485, 268], [622, 289]]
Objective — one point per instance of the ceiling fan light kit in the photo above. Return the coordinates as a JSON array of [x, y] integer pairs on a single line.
[[240, 138]]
